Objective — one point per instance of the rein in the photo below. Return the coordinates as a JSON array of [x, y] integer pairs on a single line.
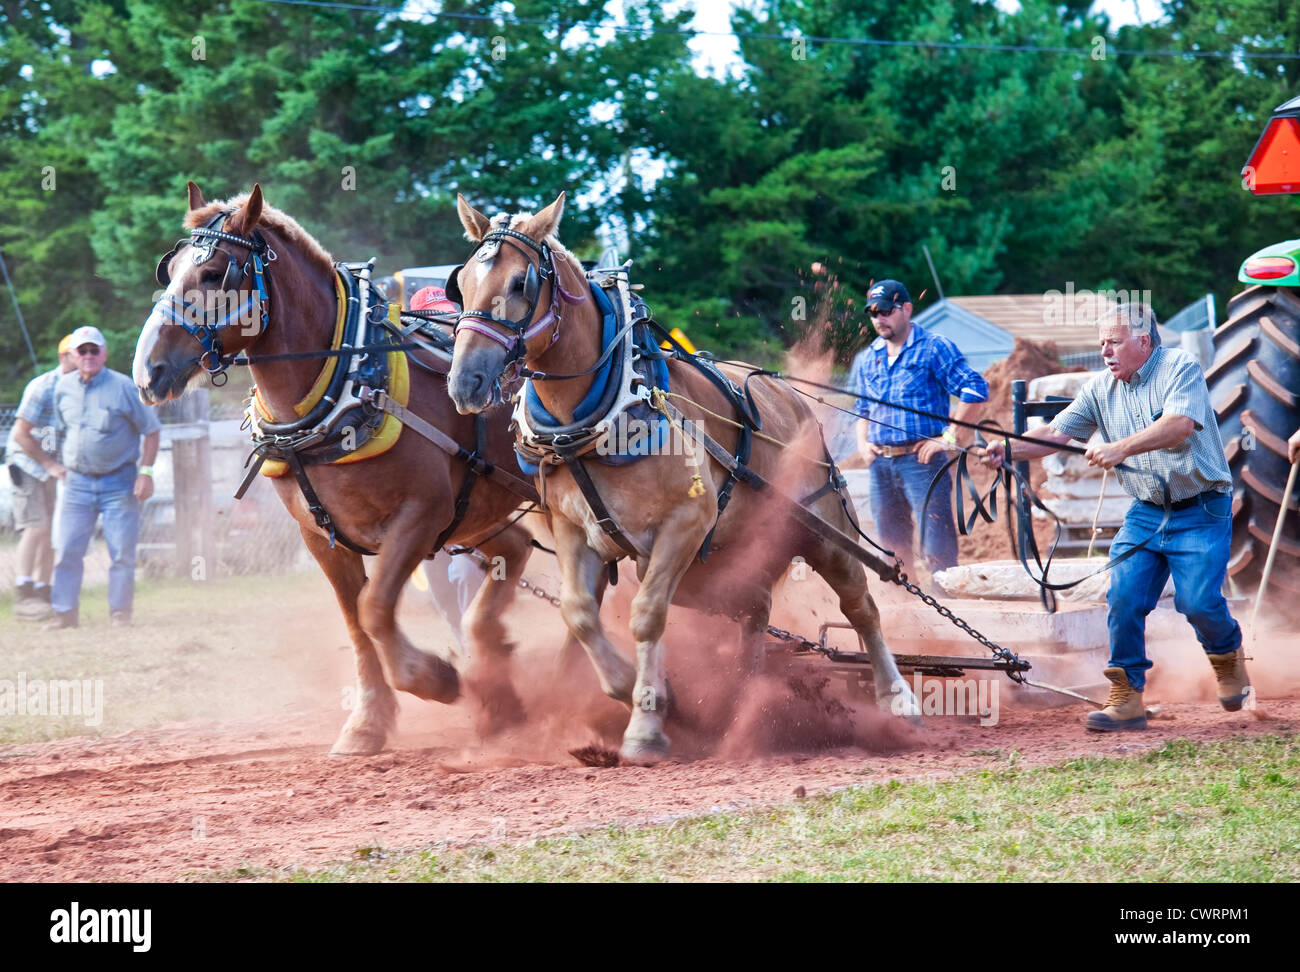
[[1014, 483]]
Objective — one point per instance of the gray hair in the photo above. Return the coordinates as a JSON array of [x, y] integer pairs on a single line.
[[1139, 318]]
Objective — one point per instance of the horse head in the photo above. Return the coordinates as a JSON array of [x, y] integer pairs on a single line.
[[215, 301], [510, 294]]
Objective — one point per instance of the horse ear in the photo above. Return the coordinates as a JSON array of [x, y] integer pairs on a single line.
[[546, 222], [475, 223], [196, 196], [250, 212]]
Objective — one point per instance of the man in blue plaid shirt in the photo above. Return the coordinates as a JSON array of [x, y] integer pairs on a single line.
[[907, 366]]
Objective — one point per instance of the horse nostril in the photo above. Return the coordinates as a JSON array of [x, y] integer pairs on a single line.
[[478, 385], [155, 375]]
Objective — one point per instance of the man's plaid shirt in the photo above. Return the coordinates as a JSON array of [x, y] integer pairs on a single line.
[[37, 407], [1169, 383], [923, 376]]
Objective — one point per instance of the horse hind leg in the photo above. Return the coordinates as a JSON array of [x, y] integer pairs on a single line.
[[488, 670], [374, 708], [848, 578]]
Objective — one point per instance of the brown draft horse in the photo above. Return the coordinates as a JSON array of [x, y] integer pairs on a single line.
[[652, 500], [396, 503]]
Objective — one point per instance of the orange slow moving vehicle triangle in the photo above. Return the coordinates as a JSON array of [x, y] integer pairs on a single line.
[[1275, 163]]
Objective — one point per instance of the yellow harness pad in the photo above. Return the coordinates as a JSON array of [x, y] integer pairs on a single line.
[[399, 388]]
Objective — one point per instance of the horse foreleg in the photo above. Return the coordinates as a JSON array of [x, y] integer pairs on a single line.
[[675, 546], [848, 579], [409, 669], [374, 709], [487, 677], [582, 573], [572, 655]]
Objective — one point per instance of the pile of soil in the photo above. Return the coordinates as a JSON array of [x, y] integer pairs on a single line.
[[1026, 362]]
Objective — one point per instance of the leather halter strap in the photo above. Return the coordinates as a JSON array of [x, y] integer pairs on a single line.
[[205, 240], [523, 329]]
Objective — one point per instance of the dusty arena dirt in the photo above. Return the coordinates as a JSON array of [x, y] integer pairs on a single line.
[[186, 800]]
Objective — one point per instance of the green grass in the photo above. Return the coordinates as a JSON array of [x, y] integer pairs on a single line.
[[1185, 812], [221, 649]]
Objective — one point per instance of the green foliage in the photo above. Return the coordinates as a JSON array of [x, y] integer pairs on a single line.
[[1020, 171]]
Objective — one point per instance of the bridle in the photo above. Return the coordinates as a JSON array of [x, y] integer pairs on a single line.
[[524, 329], [205, 241]]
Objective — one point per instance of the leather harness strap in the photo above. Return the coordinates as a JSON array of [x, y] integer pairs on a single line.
[[604, 519], [380, 399], [802, 514], [317, 509]]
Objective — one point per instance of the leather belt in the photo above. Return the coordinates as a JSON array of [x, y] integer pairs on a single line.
[[894, 451], [1191, 501]]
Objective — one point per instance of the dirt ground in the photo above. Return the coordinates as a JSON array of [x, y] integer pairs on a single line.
[[184, 800]]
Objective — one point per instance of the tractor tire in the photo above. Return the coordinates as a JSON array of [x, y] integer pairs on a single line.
[[1255, 388]]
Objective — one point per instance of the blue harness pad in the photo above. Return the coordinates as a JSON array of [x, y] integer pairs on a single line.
[[640, 431]]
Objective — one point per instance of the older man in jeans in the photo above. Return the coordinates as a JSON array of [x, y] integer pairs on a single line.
[[103, 420], [1153, 410]]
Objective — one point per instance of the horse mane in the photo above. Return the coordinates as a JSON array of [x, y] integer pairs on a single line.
[[276, 219]]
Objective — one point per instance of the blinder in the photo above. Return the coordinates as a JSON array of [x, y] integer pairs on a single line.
[[532, 284], [162, 274], [234, 276], [452, 287]]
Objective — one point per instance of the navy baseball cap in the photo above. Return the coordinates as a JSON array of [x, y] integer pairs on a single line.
[[888, 294]]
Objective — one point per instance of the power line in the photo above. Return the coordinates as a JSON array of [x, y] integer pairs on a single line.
[[787, 38]]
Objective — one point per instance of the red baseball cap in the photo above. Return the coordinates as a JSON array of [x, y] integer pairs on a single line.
[[432, 298]]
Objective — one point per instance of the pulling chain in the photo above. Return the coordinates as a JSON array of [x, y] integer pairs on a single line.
[[536, 590], [539, 592], [806, 644], [998, 651]]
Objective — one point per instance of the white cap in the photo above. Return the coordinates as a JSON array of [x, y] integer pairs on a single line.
[[86, 334]]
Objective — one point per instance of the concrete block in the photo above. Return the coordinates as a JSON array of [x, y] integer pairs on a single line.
[[1007, 579], [1018, 625]]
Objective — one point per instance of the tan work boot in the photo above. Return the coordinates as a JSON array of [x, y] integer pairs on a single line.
[[1234, 683], [1124, 708]]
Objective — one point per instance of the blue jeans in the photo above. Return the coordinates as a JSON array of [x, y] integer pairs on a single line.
[[897, 488], [84, 499], [1193, 546]]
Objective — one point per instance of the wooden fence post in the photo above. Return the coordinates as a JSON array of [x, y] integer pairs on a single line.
[[192, 488]]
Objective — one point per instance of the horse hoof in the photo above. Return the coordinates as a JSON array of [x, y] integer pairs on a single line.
[[497, 710], [434, 679], [358, 744], [645, 752]]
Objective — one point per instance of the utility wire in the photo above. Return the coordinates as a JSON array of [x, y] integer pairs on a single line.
[[786, 38]]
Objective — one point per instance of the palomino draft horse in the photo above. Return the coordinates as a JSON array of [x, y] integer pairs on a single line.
[[400, 503], [661, 509]]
